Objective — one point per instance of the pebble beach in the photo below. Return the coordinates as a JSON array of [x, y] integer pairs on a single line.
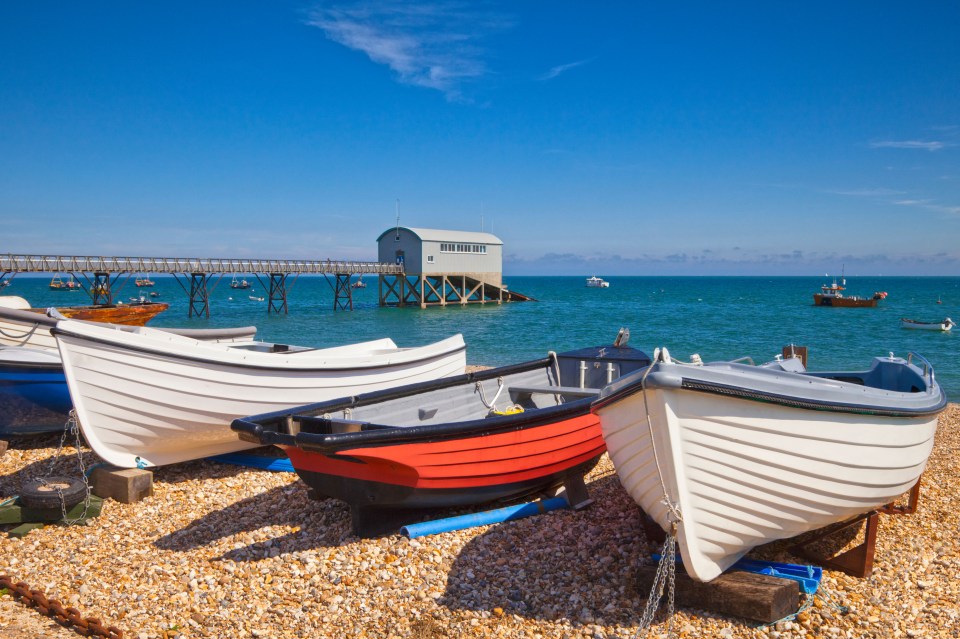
[[225, 551]]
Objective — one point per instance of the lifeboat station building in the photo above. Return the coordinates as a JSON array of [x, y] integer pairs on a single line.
[[442, 267]]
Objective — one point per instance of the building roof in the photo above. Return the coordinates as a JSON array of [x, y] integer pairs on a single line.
[[439, 235]]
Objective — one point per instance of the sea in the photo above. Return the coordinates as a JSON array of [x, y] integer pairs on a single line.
[[718, 318]]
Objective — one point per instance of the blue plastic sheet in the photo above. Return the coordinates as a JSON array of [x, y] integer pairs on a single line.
[[278, 464], [807, 576]]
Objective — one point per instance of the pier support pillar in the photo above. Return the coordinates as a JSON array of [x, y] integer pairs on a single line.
[[278, 294], [343, 294], [100, 289], [199, 296]]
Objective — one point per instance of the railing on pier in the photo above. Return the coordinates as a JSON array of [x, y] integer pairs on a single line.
[[106, 271]]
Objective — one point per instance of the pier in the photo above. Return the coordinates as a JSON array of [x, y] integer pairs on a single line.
[[103, 277]]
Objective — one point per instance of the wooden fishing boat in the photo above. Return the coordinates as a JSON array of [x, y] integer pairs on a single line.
[[734, 456], [832, 295], [150, 398], [22, 325], [144, 282], [943, 325], [491, 435]]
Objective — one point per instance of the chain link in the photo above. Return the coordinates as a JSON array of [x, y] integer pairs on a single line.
[[66, 617], [664, 579], [71, 426]]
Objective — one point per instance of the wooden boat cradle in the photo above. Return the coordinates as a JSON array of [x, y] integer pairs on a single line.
[[857, 561]]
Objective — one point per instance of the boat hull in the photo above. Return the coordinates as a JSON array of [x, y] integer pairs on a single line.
[[33, 394], [844, 302], [134, 314], [153, 399], [458, 469], [735, 472]]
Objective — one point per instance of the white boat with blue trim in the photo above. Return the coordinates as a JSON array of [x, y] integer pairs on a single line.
[[732, 456]]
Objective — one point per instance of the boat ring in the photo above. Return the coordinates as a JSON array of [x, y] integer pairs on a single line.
[[46, 492]]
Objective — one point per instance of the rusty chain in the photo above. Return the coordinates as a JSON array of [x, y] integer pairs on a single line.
[[66, 617]]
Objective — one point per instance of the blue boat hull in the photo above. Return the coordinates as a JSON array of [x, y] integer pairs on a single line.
[[33, 399]]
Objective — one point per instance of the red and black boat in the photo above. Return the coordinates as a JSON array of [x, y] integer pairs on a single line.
[[491, 435]]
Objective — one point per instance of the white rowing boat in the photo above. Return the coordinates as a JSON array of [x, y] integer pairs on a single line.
[[150, 398], [944, 325], [736, 456]]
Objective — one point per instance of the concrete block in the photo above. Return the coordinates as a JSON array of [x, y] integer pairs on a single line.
[[126, 485]]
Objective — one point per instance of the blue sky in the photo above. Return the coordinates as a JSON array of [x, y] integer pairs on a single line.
[[592, 138]]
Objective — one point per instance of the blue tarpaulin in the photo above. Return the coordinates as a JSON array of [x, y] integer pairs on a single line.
[[278, 464]]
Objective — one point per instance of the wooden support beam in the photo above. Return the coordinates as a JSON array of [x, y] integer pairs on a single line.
[[3, 446], [748, 595], [857, 561]]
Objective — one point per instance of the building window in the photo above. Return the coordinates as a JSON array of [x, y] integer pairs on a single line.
[[480, 249], [429, 259]]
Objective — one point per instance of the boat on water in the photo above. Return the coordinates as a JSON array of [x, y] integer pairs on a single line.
[[832, 295], [151, 398], [943, 325], [597, 282], [23, 325], [57, 284], [144, 282], [491, 435], [254, 298], [359, 284], [734, 456], [242, 284]]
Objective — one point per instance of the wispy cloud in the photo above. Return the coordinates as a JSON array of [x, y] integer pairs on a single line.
[[931, 206], [932, 145], [866, 192], [435, 45], [557, 70]]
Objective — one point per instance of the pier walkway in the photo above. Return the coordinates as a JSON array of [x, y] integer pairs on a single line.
[[101, 276]]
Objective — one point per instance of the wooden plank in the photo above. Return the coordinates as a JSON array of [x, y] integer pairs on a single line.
[[748, 595], [3, 446], [16, 514]]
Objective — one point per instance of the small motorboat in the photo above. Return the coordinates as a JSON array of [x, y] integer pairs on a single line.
[[597, 282], [733, 456], [492, 435], [254, 298], [150, 398], [943, 325]]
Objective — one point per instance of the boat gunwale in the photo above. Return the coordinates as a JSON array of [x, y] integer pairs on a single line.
[[692, 383], [58, 332]]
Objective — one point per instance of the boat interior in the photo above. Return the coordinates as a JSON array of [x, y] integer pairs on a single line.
[[553, 381], [886, 373]]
